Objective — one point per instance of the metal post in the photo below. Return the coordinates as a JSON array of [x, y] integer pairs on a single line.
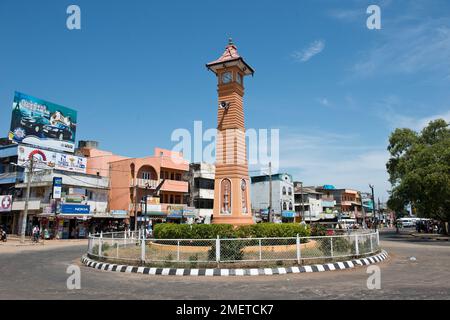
[[117, 250], [271, 219], [299, 253], [356, 245], [331, 247], [260, 250], [378, 239], [218, 249], [100, 244], [27, 199], [371, 242], [143, 249], [178, 251]]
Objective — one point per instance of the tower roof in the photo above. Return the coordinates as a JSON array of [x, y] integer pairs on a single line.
[[229, 58]]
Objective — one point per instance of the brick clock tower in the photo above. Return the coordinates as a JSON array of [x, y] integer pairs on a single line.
[[232, 182]]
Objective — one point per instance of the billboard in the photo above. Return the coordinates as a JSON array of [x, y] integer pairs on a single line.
[[51, 159], [41, 123]]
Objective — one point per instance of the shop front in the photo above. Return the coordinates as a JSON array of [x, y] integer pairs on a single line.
[[110, 222]]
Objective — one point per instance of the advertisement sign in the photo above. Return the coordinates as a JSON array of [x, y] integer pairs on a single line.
[[75, 209], [57, 188], [5, 203], [51, 159], [41, 123]]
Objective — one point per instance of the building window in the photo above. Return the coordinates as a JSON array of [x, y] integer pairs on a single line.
[[244, 196], [290, 191], [226, 196], [146, 175], [202, 183], [290, 206], [204, 203], [284, 206], [284, 191]]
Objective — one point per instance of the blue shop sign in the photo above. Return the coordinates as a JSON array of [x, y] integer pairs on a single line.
[[288, 214], [75, 209]]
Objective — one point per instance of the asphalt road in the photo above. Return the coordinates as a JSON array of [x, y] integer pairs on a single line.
[[42, 275]]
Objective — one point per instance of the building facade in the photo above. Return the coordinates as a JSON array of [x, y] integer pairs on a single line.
[[152, 187], [282, 195], [201, 189], [308, 203], [82, 196]]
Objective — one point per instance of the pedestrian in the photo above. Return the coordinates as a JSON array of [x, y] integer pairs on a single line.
[[35, 234]]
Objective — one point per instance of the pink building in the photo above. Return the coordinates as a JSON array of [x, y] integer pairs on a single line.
[[133, 179]]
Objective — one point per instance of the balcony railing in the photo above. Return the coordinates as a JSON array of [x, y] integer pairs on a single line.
[[144, 183]]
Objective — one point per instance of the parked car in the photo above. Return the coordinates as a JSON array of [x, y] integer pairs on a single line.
[[59, 131], [33, 125]]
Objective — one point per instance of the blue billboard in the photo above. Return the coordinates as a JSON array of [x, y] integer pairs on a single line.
[[41, 123], [75, 209]]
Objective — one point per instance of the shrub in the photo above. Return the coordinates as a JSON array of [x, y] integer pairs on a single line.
[[224, 231], [340, 246], [229, 251], [318, 230]]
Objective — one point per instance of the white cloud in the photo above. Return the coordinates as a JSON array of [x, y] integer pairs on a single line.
[[313, 49], [324, 101], [409, 48], [387, 110], [346, 161]]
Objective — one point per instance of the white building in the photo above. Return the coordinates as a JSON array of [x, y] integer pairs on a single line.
[[282, 195], [311, 200], [201, 189]]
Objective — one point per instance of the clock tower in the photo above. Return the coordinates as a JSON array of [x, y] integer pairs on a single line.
[[232, 182]]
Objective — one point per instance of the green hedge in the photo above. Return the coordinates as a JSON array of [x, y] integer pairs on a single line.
[[211, 231]]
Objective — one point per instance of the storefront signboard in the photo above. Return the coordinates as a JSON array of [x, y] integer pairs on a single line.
[[75, 209], [5, 203]]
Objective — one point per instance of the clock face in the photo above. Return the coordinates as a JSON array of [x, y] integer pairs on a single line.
[[226, 77]]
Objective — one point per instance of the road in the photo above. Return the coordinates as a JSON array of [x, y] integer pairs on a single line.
[[42, 275]]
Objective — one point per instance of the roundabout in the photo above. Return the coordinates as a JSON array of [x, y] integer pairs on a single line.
[[235, 272], [129, 252]]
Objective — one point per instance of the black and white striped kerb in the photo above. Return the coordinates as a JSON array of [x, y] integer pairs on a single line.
[[235, 272]]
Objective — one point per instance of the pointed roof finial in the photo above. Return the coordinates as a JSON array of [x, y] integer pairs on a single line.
[[230, 41]]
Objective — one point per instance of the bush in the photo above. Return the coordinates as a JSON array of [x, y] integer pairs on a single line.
[[195, 231], [224, 231], [340, 246], [318, 230], [229, 251]]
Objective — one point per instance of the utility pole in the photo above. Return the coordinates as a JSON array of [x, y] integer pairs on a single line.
[[301, 198], [135, 205], [373, 200], [270, 193], [27, 199]]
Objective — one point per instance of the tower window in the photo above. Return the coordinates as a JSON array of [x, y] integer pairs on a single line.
[[226, 196]]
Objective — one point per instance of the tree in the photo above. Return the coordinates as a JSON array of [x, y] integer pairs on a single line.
[[419, 170]]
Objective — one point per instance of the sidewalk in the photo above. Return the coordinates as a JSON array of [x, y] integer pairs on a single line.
[[431, 236], [15, 246]]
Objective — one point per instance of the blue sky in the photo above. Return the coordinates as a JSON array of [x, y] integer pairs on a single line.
[[136, 72]]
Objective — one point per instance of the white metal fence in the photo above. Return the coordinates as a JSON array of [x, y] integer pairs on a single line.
[[131, 246]]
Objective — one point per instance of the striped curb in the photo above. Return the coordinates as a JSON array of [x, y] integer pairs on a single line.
[[235, 272], [431, 238]]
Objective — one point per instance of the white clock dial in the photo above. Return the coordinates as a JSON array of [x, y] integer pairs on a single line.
[[226, 77]]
